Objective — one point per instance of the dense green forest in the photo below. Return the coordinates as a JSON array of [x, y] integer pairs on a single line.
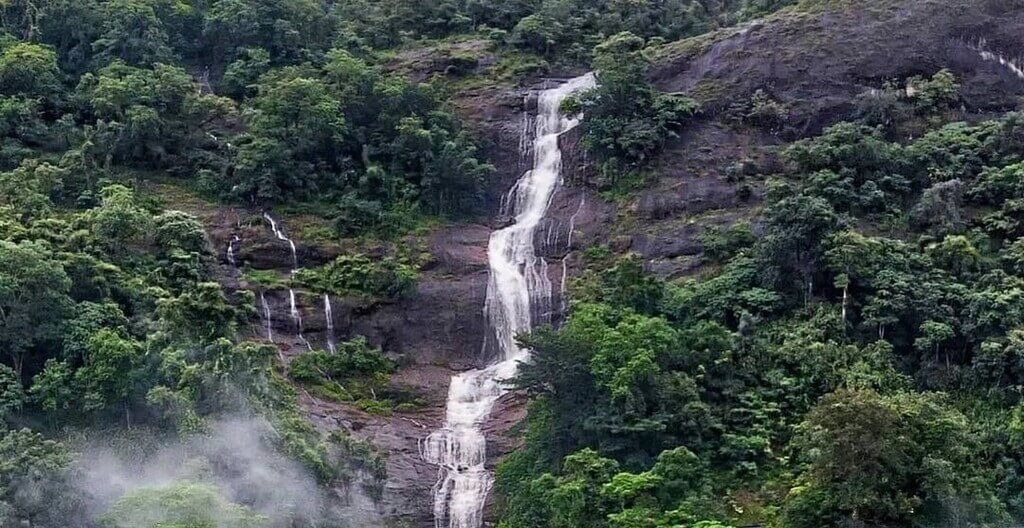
[[852, 355]]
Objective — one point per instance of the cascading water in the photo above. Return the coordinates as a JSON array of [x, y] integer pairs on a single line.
[[568, 245], [292, 306], [1014, 66], [518, 290], [280, 236], [266, 317], [329, 315], [231, 250]]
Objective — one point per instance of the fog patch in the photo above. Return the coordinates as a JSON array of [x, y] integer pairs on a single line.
[[236, 454]]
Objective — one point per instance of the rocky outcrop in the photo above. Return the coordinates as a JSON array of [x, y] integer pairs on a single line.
[[817, 58]]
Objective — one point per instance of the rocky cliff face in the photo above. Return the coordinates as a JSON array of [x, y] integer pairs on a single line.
[[815, 61]]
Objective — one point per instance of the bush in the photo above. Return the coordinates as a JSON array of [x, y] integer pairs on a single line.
[[939, 92], [354, 372], [353, 359], [626, 121], [361, 275]]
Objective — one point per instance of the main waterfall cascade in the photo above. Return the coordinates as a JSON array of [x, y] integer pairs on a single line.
[[518, 290]]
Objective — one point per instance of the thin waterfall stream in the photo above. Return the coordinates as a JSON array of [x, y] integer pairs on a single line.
[[329, 316], [235, 239], [292, 305], [518, 290]]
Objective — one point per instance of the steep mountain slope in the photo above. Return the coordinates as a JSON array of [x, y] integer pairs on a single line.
[[816, 59]]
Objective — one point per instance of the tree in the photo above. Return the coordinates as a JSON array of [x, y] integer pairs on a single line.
[[177, 230], [53, 389], [34, 488], [12, 395], [156, 114], [537, 32], [28, 190], [29, 70], [574, 498], [937, 93], [33, 300], [792, 243], [296, 127], [87, 319], [853, 168], [112, 374], [180, 505], [199, 315], [119, 223], [940, 209], [882, 460], [133, 33], [625, 120]]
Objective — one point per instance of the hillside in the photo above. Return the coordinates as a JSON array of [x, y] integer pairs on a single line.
[[287, 263]]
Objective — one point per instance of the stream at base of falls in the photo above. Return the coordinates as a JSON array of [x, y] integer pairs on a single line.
[[517, 291]]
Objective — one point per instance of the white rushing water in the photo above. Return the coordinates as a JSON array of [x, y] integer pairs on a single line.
[[518, 290], [293, 308], [231, 250], [1014, 66], [329, 316], [267, 317]]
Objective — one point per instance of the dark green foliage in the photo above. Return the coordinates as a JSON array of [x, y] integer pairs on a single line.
[[722, 244], [355, 371], [151, 116], [385, 277], [569, 28], [625, 119], [33, 301], [887, 460], [854, 169], [353, 359], [180, 505], [34, 488], [12, 395], [29, 70], [349, 131], [857, 363]]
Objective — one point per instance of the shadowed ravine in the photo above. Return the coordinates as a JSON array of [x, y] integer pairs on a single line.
[[518, 289]]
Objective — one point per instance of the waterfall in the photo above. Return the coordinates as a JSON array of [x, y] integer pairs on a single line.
[[329, 315], [280, 236], [568, 246], [1014, 66], [518, 290], [293, 308], [231, 250], [266, 316]]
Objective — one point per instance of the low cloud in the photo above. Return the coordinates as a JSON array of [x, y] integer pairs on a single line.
[[238, 455]]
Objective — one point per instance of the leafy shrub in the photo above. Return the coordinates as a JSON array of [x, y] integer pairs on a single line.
[[626, 121], [939, 92], [385, 277], [354, 372], [721, 244], [353, 359]]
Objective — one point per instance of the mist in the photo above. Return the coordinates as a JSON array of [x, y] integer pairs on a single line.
[[236, 454]]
